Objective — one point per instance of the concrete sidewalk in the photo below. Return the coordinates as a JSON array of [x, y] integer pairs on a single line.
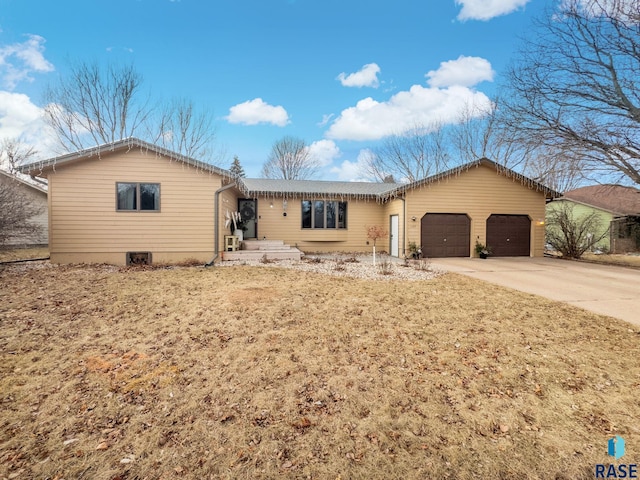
[[603, 289]]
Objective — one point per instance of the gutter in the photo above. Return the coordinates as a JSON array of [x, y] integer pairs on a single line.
[[41, 182], [216, 225]]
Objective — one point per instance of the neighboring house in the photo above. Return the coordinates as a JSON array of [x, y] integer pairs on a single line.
[[618, 208], [129, 197], [37, 197]]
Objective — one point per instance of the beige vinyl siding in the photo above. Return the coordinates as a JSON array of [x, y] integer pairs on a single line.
[[228, 202], [478, 192], [85, 226], [360, 214]]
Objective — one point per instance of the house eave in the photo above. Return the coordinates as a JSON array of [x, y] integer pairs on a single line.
[[39, 168], [501, 170]]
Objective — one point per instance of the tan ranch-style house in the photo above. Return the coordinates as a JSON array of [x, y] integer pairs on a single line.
[[132, 201]]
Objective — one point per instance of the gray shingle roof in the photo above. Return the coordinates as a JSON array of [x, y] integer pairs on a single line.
[[312, 188], [377, 191]]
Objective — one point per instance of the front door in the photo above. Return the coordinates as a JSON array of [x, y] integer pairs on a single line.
[[394, 236], [247, 209]]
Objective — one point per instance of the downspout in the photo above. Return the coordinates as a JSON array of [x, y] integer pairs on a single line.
[[404, 227], [216, 223]]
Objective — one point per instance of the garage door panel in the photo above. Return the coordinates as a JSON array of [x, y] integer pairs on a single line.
[[509, 235], [445, 235]]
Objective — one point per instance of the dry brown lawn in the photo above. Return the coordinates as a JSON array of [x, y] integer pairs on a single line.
[[262, 372], [629, 260], [13, 254]]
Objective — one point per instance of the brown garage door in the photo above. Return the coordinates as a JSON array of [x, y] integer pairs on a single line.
[[509, 235], [445, 235]]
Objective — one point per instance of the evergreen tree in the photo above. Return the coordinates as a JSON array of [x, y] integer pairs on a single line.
[[236, 169]]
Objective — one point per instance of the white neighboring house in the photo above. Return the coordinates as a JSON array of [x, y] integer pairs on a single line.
[[38, 196]]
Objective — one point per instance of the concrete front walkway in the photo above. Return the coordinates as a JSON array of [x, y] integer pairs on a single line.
[[604, 289]]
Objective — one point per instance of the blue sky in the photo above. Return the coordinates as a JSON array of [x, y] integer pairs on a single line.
[[340, 74]]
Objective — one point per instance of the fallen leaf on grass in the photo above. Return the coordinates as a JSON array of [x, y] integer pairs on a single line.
[[304, 422]]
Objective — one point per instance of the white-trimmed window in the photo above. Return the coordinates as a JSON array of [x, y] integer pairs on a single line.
[[137, 197], [324, 214]]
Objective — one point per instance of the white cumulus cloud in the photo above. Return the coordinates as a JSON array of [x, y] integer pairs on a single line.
[[372, 120], [20, 118], [19, 60], [256, 111], [449, 93], [324, 152], [349, 171], [465, 71], [488, 9], [367, 76]]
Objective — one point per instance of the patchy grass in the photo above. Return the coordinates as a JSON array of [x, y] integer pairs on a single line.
[[12, 254], [628, 260], [262, 372]]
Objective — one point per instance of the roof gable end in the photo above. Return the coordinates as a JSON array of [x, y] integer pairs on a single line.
[[507, 172], [39, 167]]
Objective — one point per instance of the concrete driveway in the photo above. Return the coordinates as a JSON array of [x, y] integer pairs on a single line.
[[604, 289]]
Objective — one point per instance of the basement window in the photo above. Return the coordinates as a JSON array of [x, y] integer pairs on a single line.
[[138, 258], [324, 214], [137, 197]]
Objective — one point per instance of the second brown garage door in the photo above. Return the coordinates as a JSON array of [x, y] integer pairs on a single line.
[[445, 235], [509, 235]]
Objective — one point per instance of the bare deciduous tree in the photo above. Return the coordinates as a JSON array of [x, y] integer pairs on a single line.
[[17, 212], [574, 88], [486, 134], [181, 128], [410, 155], [554, 170], [572, 234], [481, 133], [97, 105], [14, 153], [93, 105], [290, 159]]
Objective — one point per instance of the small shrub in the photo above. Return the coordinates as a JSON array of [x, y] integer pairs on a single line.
[[339, 266], [415, 250], [423, 265], [385, 267], [573, 234]]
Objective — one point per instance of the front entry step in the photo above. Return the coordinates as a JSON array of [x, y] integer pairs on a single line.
[[253, 250]]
